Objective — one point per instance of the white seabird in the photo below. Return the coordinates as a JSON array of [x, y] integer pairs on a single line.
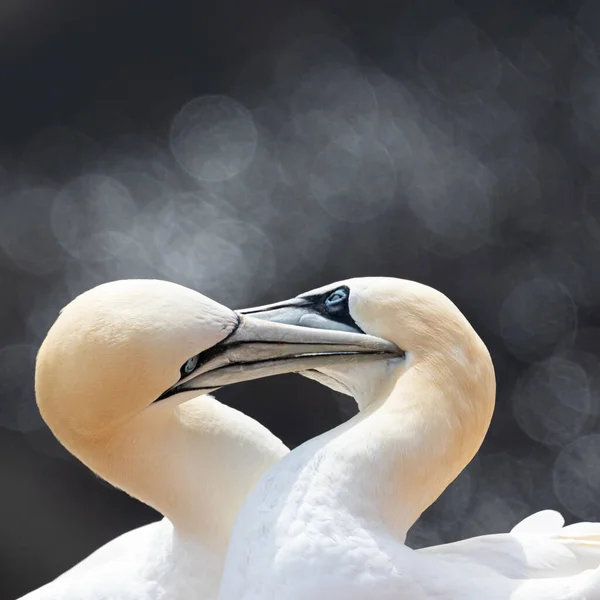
[[340, 505]]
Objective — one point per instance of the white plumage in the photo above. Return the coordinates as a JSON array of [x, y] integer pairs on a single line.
[[329, 520], [121, 379]]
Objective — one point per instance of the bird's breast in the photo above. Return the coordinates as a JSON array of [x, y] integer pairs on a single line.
[[294, 539]]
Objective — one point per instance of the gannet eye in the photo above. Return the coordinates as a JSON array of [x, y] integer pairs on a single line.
[[189, 366], [336, 299]]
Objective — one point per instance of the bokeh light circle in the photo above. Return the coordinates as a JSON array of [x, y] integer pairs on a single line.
[[214, 138], [87, 212], [552, 401], [577, 477], [536, 317], [353, 178]]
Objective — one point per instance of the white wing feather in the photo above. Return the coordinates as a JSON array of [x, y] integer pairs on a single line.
[[538, 547]]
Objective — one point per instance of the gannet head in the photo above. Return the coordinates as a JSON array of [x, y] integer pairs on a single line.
[[116, 348], [125, 347], [421, 321]]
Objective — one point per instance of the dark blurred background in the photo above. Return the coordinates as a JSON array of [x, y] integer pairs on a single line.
[[254, 150]]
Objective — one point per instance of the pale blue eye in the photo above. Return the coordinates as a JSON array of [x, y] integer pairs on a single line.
[[190, 365], [336, 298]]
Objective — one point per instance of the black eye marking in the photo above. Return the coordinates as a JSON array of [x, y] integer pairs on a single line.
[[334, 305], [193, 363], [189, 366]]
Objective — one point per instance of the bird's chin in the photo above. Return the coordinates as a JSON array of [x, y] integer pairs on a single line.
[[364, 382], [328, 379]]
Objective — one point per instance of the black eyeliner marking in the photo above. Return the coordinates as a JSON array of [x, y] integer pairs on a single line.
[[173, 390], [343, 315]]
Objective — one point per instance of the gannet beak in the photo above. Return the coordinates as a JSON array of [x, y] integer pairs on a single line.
[[301, 312], [259, 348]]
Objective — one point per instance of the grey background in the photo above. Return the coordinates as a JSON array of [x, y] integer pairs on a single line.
[[255, 150]]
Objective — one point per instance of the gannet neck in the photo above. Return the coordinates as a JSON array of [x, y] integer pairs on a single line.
[[190, 459], [394, 459], [424, 434], [432, 423]]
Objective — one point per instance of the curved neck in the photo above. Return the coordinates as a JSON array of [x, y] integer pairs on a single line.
[[194, 461], [411, 444]]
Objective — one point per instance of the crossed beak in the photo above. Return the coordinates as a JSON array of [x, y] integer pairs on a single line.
[[268, 341]]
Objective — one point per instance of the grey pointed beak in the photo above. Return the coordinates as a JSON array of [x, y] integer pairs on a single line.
[[260, 348], [298, 311]]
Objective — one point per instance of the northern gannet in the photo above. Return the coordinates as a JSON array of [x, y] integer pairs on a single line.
[[340, 505], [121, 380]]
